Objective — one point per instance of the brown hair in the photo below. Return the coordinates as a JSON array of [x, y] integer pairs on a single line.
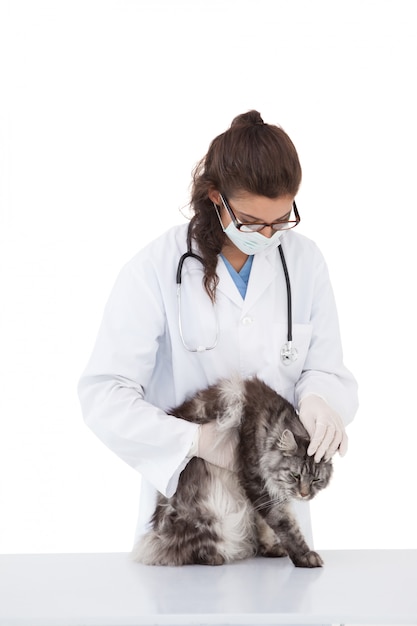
[[250, 156]]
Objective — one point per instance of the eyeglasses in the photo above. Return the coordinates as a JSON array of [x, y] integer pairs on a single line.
[[254, 227]]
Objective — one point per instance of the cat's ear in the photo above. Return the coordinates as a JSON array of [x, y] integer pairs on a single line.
[[287, 443]]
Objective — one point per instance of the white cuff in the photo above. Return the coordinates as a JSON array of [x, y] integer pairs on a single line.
[[193, 451]]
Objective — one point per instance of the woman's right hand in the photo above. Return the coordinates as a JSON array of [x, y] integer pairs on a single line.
[[216, 446]]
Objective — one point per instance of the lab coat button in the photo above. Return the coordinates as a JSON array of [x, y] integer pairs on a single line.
[[247, 320]]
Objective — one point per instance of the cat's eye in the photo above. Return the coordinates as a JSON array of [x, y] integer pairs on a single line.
[[296, 476], [316, 480]]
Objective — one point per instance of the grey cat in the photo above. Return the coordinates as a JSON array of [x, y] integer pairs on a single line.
[[218, 516]]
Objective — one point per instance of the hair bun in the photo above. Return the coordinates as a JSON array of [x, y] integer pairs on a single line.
[[251, 118]]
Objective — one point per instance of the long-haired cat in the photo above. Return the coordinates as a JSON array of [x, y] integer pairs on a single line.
[[217, 516]]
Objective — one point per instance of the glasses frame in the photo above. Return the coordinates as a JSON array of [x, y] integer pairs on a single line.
[[261, 225]]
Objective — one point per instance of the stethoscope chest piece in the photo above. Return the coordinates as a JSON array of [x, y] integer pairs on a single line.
[[288, 353]]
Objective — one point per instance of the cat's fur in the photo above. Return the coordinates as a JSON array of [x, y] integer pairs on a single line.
[[217, 516]]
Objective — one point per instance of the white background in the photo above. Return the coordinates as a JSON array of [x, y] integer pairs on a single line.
[[105, 107]]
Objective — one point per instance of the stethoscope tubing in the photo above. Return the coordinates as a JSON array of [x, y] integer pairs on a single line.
[[183, 258], [191, 255], [288, 353], [289, 298]]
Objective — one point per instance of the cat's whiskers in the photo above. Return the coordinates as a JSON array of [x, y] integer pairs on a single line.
[[273, 502]]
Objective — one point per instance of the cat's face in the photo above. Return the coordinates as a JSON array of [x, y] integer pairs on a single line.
[[301, 477], [294, 474]]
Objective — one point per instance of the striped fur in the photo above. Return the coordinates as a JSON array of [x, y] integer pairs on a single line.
[[217, 516]]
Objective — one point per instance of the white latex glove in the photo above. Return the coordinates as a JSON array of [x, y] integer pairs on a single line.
[[325, 427], [215, 446]]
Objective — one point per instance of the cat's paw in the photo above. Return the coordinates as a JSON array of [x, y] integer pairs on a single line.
[[309, 559], [275, 551]]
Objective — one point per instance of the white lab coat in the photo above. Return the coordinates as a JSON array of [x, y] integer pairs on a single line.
[[139, 367]]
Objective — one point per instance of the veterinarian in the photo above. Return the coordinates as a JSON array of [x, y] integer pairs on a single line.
[[214, 297]]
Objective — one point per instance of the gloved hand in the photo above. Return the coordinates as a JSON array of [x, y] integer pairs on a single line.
[[216, 446], [325, 427]]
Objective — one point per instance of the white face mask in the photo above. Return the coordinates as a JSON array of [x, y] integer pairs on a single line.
[[249, 243]]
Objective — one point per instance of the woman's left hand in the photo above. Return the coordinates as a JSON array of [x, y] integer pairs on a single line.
[[325, 427]]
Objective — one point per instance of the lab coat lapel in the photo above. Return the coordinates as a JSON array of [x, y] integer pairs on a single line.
[[226, 284], [261, 276]]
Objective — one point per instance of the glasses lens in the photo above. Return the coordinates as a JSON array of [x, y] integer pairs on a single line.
[[251, 228], [255, 228], [284, 225], [293, 219]]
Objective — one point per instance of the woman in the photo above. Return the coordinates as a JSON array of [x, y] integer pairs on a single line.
[[155, 348]]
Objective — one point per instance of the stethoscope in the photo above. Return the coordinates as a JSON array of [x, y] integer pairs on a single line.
[[288, 353]]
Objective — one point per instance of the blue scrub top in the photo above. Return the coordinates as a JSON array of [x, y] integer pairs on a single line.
[[241, 278]]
